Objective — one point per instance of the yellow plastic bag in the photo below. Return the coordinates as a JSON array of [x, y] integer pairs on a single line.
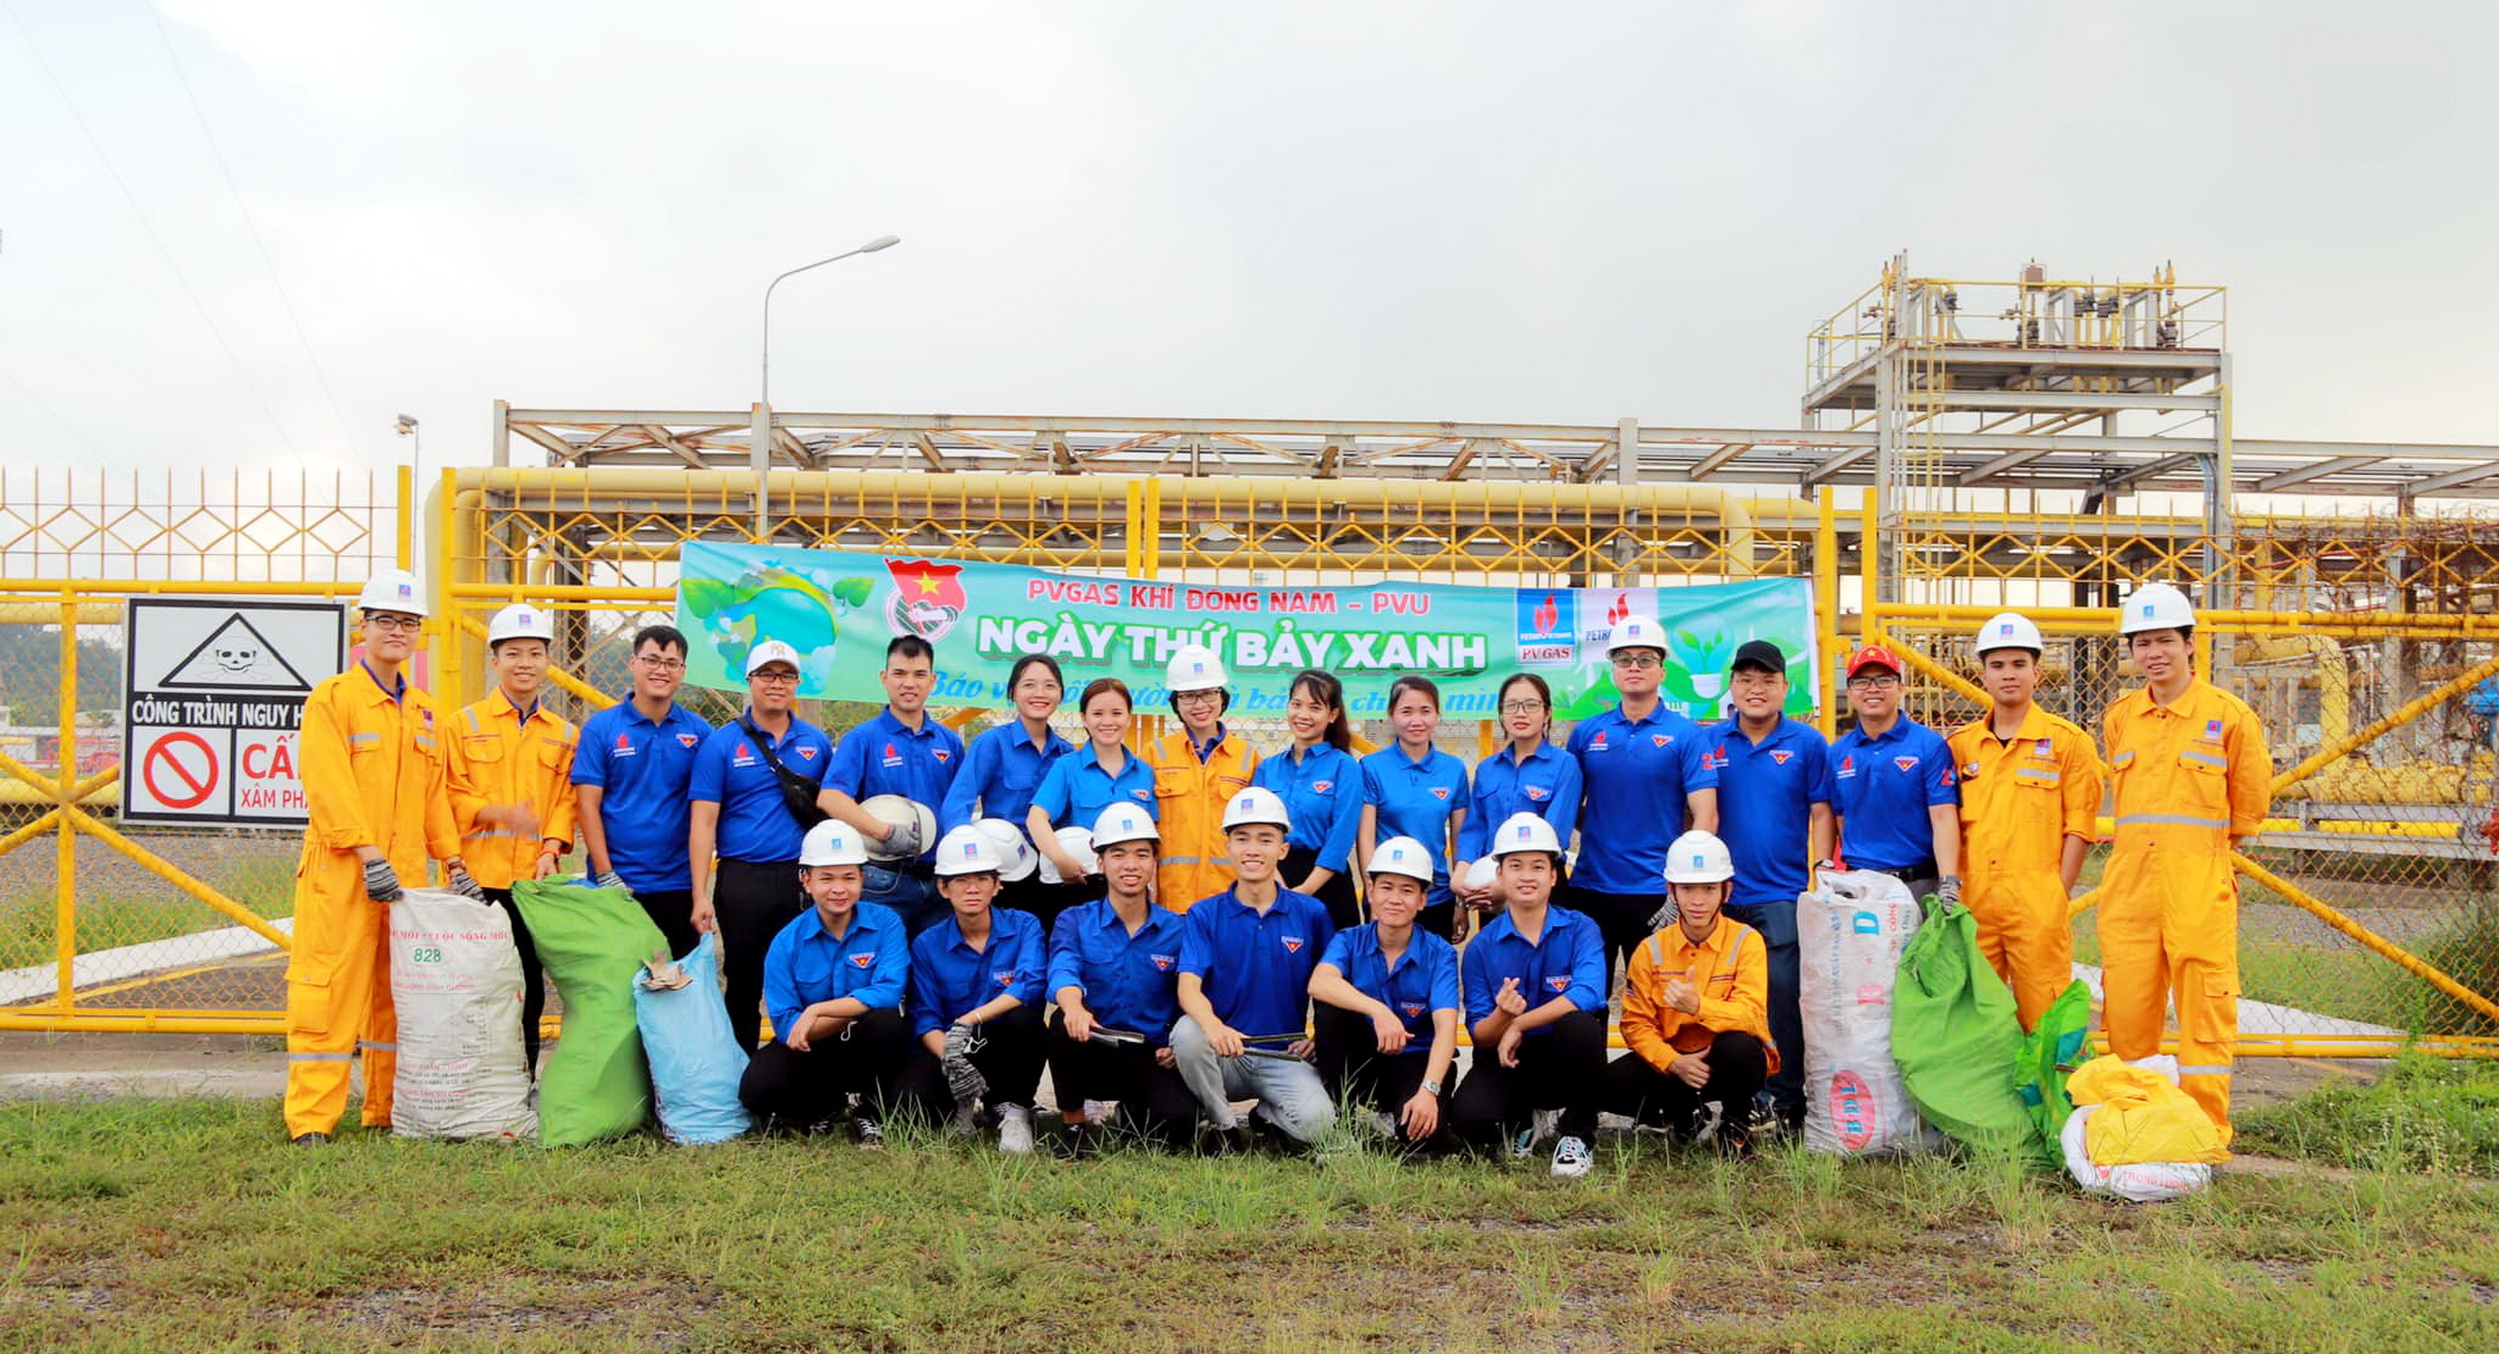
[[2143, 1116]]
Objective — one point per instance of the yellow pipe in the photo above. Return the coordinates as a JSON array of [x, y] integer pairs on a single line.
[[2103, 619], [1911, 655], [172, 874], [139, 1022], [405, 485], [65, 852], [449, 519], [2414, 709], [1869, 565], [557, 674], [2324, 912], [1827, 609], [43, 823], [49, 613], [2333, 677], [144, 587]]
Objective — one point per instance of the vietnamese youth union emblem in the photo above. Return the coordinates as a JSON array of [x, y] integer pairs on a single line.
[[927, 599]]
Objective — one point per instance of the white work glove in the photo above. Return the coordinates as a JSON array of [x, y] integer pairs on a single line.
[[904, 840], [1949, 890], [962, 1077]]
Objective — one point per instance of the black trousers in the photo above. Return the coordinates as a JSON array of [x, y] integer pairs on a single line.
[[533, 980], [1622, 922], [804, 1088], [1357, 1073], [672, 911], [752, 901], [1638, 1089], [1561, 1067], [1045, 901], [1152, 1097], [1337, 893], [1009, 1056]]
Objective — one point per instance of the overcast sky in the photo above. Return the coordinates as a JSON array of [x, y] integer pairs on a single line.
[[248, 233]]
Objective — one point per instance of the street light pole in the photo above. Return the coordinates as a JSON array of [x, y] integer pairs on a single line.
[[759, 437]]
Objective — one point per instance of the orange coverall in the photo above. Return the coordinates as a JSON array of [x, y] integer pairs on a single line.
[[497, 757], [2019, 802], [373, 776], [1189, 797], [1731, 971], [2190, 776]]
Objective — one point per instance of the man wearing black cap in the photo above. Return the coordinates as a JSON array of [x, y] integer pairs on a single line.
[[1774, 813]]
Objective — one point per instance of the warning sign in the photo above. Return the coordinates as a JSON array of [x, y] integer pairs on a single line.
[[216, 692]]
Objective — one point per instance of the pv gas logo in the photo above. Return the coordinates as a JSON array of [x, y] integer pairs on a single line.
[[1547, 618]]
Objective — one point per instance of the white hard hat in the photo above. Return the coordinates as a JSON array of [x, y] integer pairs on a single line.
[[2008, 630], [897, 810], [1119, 823], [1698, 858], [1255, 805], [1195, 668], [1078, 844], [1524, 832], [520, 621], [1405, 856], [2155, 606], [393, 590], [1636, 631], [1483, 872], [770, 651], [833, 842], [967, 850], [1016, 855]]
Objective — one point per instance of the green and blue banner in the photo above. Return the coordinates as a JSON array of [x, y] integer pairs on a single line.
[[839, 609]]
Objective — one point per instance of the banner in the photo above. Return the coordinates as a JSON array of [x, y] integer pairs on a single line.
[[839, 609]]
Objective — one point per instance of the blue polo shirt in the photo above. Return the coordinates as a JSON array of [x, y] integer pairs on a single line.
[[730, 770], [1322, 794], [1257, 968], [1766, 791], [884, 757], [1128, 982], [1000, 771], [806, 965], [949, 977], [1567, 960], [1634, 775], [1076, 789], [1415, 799], [1544, 783], [1881, 787], [1425, 979], [642, 768]]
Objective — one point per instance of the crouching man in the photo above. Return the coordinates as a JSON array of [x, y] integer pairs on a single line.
[[833, 981], [1388, 1003], [1696, 1008]]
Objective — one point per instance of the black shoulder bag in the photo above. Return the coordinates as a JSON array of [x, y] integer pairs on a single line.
[[798, 794]]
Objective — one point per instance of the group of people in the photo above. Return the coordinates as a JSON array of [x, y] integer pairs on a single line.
[[1307, 929]]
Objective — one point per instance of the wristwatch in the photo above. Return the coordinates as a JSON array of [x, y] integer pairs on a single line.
[[1431, 1087]]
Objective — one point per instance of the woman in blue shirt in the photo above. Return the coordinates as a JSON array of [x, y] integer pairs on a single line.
[[1531, 775], [1003, 767], [1412, 789], [1086, 781], [1321, 786]]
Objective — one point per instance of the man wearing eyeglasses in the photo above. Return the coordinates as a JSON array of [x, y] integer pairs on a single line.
[[1644, 781], [1893, 787], [629, 787]]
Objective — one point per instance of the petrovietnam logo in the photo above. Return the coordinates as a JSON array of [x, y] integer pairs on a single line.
[[1547, 618]]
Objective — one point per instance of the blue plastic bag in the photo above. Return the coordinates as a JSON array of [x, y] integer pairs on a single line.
[[695, 1062]]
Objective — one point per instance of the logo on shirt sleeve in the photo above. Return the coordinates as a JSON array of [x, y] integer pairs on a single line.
[[1715, 759]]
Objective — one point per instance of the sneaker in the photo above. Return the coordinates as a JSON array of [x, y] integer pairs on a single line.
[[966, 1121], [309, 1140], [1071, 1143], [1539, 1131], [1015, 1130], [869, 1132], [1572, 1159]]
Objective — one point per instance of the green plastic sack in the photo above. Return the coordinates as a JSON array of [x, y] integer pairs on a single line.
[[2050, 1053], [592, 941], [1958, 1036]]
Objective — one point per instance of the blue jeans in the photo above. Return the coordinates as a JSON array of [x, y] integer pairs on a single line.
[[1777, 924], [912, 896], [1289, 1093]]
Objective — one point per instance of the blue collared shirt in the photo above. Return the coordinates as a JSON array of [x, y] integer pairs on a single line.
[[806, 965], [1077, 789], [1881, 787], [1566, 960], [1545, 783], [1001, 769], [1322, 794], [1635, 777], [1415, 799], [730, 770], [1256, 968], [949, 977], [1766, 792], [884, 756], [643, 768], [1424, 981], [1129, 982]]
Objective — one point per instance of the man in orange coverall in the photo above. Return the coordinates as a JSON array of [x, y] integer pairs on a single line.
[[374, 792]]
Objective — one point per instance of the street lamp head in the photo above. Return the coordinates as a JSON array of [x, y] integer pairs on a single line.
[[880, 242], [407, 425]]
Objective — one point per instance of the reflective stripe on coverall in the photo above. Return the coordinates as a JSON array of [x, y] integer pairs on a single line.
[[1189, 796], [2189, 777], [496, 757], [373, 776], [2019, 802], [1731, 972]]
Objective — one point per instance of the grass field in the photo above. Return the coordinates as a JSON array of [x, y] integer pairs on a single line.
[[158, 1225]]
